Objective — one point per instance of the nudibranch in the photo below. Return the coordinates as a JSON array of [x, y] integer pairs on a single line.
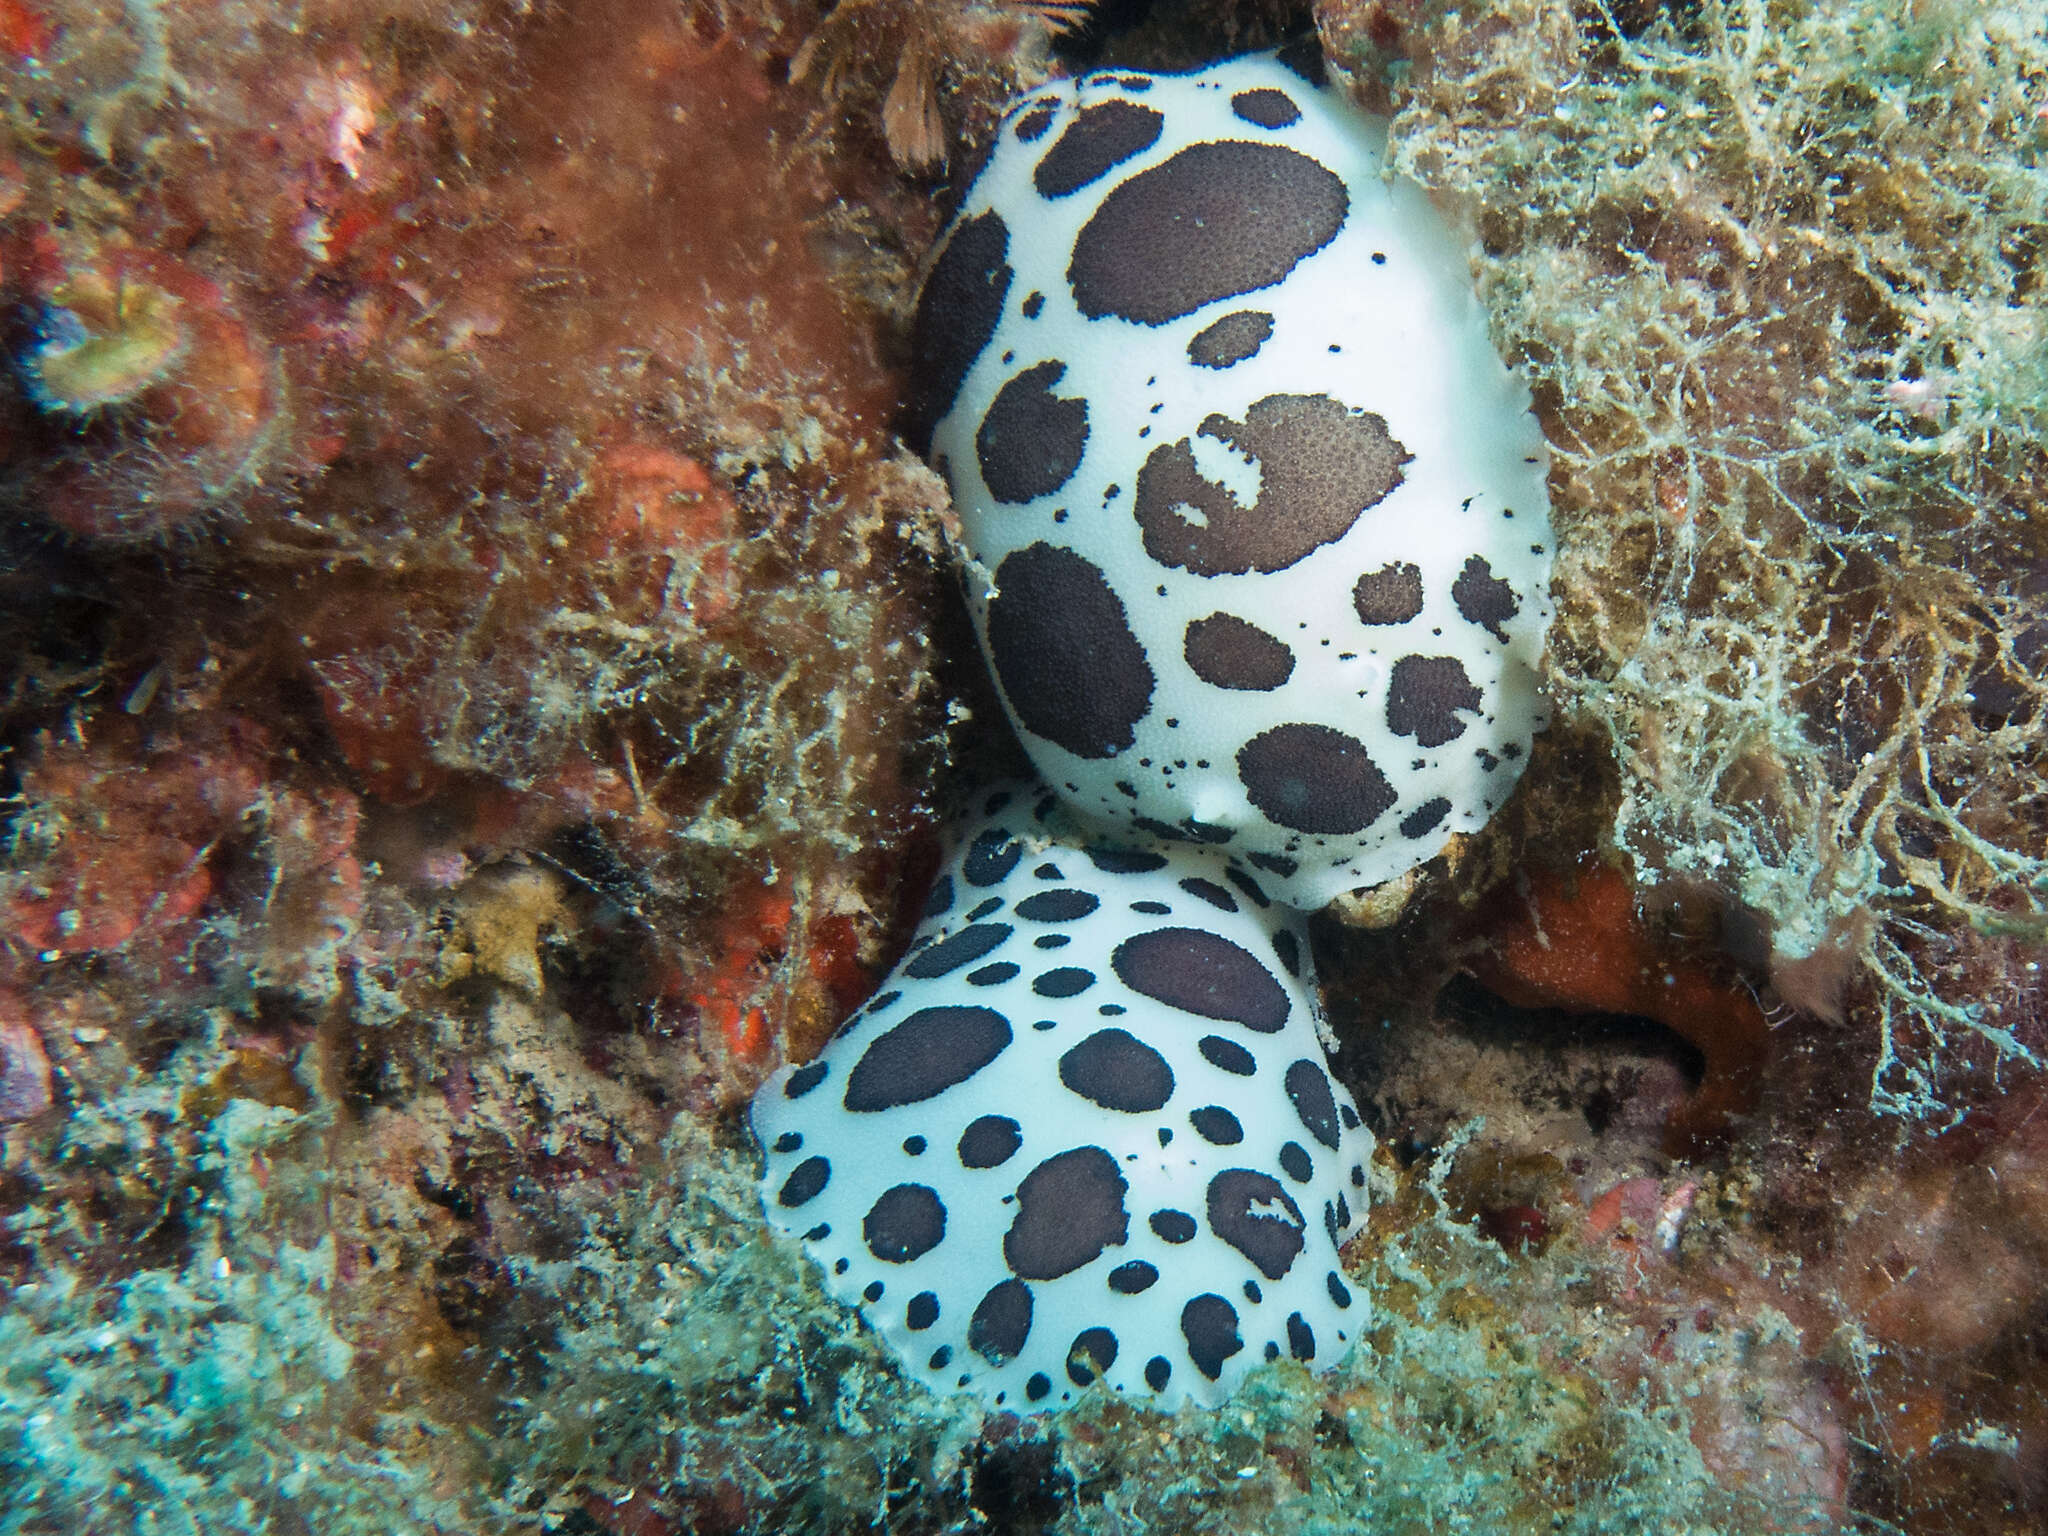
[[1256, 524], [1085, 1130], [1257, 547]]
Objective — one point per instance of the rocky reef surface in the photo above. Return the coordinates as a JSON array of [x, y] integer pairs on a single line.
[[478, 672]]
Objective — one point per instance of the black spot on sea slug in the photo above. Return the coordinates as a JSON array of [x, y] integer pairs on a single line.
[[1158, 1371], [1187, 830], [1245, 1210], [957, 313], [1426, 817], [1424, 695], [1218, 218], [1211, 892], [804, 1079], [1313, 779], [1288, 948], [926, 1054], [1231, 340], [1057, 906], [1093, 1352], [1266, 107], [1248, 885], [789, 1141], [1099, 137], [1228, 1055], [1064, 652], [1390, 595], [1063, 981], [1132, 1278], [922, 1312], [1033, 123], [1340, 1293], [1301, 1339], [994, 854], [1209, 1324], [969, 944], [1173, 1226], [1001, 1322], [906, 1223], [1228, 652], [1309, 1091], [804, 1183], [1037, 1386], [1296, 1163], [1321, 466], [1216, 1125], [1069, 1208], [1031, 440], [1124, 861], [990, 1141], [1116, 1070], [1482, 598], [941, 899], [1202, 973]]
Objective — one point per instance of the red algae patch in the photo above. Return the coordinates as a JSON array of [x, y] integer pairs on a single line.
[[1579, 941], [174, 402]]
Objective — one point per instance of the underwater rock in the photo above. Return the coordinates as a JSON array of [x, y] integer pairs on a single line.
[[1577, 941], [24, 1065]]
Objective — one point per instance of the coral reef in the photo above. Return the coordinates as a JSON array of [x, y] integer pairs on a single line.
[[475, 664], [1774, 289]]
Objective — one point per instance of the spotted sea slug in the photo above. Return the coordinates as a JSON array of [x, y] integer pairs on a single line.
[[1256, 524], [1085, 1129], [1257, 547]]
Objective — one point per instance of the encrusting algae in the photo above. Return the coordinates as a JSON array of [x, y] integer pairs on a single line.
[[480, 669]]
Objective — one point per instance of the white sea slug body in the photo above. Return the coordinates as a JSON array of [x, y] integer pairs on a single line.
[[1258, 551], [1258, 535], [1085, 1130]]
